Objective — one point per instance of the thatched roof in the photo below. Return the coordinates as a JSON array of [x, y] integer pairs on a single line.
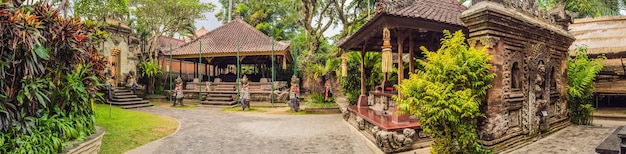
[[603, 35]]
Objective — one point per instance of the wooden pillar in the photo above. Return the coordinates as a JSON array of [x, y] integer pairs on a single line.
[[401, 38], [196, 70], [411, 56], [397, 118], [180, 68], [363, 98]]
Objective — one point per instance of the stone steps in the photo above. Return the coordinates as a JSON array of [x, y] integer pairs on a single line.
[[221, 95], [125, 99], [124, 96], [220, 98], [122, 93], [224, 89], [229, 103]]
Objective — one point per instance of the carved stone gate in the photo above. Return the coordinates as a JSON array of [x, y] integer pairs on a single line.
[[529, 48]]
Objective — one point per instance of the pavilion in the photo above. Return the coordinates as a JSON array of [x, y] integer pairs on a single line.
[[401, 26], [217, 54]]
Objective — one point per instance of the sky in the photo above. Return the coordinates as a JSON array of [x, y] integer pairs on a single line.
[[210, 22]]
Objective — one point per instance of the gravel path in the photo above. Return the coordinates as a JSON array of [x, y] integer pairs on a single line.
[[205, 130]]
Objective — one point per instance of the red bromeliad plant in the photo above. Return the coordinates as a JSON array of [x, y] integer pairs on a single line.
[[49, 72]]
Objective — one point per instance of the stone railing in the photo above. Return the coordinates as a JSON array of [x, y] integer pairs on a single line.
[[90, 146]]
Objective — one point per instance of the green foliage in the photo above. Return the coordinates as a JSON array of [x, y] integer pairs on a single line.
[[100, 9], [151, 70], [160, 17], [318, 98], [447, 93], [48, 88], [276, 18], [581, 73], [586, 8]]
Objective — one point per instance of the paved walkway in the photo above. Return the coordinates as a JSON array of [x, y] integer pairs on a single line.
[[571, 140], [205, 130]]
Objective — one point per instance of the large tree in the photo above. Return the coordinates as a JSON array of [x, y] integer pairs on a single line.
[[160, 17], [586, 8], [98, 9], [276, 18]]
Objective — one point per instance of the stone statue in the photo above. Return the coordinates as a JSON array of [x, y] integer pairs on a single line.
[[540, 86], [360, 122], [392, 141]]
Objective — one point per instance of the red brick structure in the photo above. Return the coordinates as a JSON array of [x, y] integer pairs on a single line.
[[529, 48]]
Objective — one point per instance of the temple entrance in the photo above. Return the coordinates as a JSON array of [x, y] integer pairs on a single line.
[[115, 66]]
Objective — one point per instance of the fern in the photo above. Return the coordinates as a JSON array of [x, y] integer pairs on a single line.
[[446, 94], [581, 73]]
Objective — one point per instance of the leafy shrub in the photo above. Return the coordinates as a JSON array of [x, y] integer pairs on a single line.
[[447, 93], [48, 88], [151, 70], [581, 73]]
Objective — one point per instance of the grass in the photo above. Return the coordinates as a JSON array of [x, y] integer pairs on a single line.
[[127, 129], [300, 111], [312, 104]]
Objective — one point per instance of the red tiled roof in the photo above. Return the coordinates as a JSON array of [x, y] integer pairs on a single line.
[[224, 40], [165, 42], [445, 11]]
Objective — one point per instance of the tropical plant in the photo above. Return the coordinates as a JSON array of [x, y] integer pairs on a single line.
[[47, 87], [581, 72], [447, 93], [150, 70]]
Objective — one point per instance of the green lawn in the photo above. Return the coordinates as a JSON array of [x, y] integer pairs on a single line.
[[311, 104], [127, 129]]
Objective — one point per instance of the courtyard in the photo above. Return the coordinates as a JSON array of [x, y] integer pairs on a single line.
[[214, 129]]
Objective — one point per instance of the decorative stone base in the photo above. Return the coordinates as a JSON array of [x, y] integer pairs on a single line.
[[392, 141], [516, 141], [90, 146]]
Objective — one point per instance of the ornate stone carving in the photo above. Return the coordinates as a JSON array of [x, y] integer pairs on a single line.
[[360, 123], [392, 141], [345, 113], [115, 51]]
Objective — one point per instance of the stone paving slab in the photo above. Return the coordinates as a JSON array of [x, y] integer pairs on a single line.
[[205, 130], [571, 140]]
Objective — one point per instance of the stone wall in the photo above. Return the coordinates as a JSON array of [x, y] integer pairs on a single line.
[[529, 49], [90, 146]]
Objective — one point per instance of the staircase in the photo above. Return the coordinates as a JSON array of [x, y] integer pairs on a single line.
[[219, 99], [125, 98]]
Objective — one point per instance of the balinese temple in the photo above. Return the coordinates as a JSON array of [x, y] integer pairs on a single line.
[[529, 48], [605, 36], [215, 54], [120, 49], [399, 28]]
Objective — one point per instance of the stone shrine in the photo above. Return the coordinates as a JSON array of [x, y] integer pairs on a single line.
[[529, 48]]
